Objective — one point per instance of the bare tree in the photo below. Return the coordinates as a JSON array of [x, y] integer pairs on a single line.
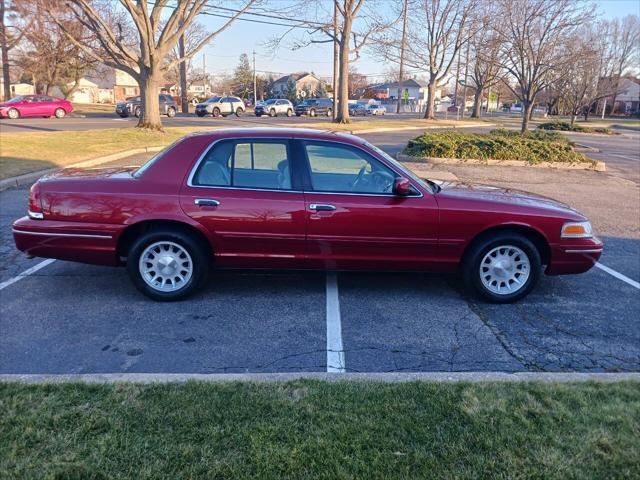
[[147, 60], [8, 40], [532, 38], [486, 71], [442, 28], [624, 45]]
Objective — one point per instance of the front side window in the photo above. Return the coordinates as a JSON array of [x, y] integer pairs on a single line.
[[344, 169], [246, 164]]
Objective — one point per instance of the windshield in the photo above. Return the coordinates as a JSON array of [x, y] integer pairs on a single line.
[[213, 100], [133, 99], [432, 187], [17, 99], [270, 101]]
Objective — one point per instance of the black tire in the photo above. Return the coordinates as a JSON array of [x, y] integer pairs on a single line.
[[289, 112], [480, 248], [60, 113], [215, 112], [197, 250], [123, 116], [13, 113], [239, 111], [137, 112], [298, 114], [312, 113], [200, 113], [171, 112], [329, 112], [272, 112]]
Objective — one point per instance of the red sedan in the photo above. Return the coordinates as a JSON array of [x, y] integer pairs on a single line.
[[293, 198], [35, 106]]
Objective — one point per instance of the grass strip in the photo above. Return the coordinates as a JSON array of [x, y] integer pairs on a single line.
[[30, 152], [532, 147], [568, 127], [313, 429]]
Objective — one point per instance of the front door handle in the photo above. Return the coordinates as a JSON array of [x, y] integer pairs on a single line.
[[322, 207], [206, 202]]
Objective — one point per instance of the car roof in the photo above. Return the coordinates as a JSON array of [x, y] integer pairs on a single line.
[[275, 132]]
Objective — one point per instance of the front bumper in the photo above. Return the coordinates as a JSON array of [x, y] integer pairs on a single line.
[[574, 256], [73, 241]]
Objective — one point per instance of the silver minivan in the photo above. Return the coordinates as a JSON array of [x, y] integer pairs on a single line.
[[220, 106]]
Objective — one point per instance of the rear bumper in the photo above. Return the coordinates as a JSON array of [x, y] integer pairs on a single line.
[[87, 243], [575, 257]]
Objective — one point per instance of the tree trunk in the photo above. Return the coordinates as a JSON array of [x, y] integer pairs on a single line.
[[573, 117], [430, 112], [76, 85], [6, 78], [526, 116], [477, 103], [343, 93], [183, 77], [403, 46], [336, 63], [150, 114]]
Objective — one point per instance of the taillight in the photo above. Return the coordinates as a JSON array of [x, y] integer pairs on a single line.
[[35, 203]]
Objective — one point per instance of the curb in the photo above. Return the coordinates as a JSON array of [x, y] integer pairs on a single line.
[[599, 166], [29, 178], [560, 377]]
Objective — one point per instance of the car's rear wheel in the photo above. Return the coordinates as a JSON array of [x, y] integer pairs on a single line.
[[289, 112], [60, 113], [329, 112], [272, 112], [171, 112], [502, 268], [216, 112], [13, 113], [238, 111], [123, 116], [167, 264], [312, 113], [200, 113], [137, 112]]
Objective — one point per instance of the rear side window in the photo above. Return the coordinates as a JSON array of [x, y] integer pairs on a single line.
[[246, 164]]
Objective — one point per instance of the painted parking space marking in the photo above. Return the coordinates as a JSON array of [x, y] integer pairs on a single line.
[[335, 350], [618, 275], [26, 273]]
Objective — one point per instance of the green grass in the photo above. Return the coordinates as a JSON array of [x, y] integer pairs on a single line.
[[580, 128], [29, 152], [310, 429], [500, 144]]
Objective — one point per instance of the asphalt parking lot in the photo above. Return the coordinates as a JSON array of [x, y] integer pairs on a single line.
[[73, 318]]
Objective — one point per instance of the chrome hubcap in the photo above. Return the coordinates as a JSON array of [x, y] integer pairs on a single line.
[[505, 270], [165, 266], [13, 114]]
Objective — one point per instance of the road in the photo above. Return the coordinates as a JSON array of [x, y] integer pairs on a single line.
[[73, 318]]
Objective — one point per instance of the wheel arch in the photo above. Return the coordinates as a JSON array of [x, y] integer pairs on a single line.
[[535, 236], [134, 230]]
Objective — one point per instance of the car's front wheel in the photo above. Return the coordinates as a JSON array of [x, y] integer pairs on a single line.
[[171, 112], [329, 112], [216, 112], [312, 113], [137, 112], [200, 113], [502, 268], [167, 264], [239, 111], [272, 112], [60, 113], [289, 112], [13, 113]]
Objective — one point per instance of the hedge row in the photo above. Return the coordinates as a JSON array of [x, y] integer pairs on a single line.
[[567, 127], [498, 145]]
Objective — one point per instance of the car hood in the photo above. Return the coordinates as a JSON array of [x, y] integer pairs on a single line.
[[90, 173], [504, 197]]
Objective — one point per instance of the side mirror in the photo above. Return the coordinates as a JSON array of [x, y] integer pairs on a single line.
[[402, 187]]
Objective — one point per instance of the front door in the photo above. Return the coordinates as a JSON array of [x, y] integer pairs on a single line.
[[354, 221], [242, 192]]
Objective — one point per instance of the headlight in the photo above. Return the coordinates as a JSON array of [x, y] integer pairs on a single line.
[[576, 230]]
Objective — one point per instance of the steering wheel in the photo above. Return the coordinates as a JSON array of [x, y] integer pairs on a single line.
[[358, 178]]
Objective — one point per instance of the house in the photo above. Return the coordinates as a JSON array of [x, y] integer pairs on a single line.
[[304, 81], [628, 98], [124, 86], [414, 92], [17, 89]]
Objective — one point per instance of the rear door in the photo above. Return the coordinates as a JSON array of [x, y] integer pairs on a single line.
[[242, 191], [354, 221]]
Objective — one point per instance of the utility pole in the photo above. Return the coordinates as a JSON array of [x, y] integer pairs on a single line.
[[334, 110], [403, 46], [204, 75], [457, 80], [255, 81], [183, 76], [466, 78]]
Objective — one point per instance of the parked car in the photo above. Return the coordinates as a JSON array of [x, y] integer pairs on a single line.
[[221, 106], [374, 109], [315, 106], [35, 106], [274, 107], [356, 109], [291, 198], [133, 106]]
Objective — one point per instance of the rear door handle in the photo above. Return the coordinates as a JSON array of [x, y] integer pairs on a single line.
[[322, 207], [206, 202]]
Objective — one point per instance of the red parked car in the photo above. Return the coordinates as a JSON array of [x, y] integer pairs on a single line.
[[35, 106], [293, 198]]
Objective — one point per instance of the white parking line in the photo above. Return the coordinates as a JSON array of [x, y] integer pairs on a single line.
[[618, 275], [335, 351], [26, 273]]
